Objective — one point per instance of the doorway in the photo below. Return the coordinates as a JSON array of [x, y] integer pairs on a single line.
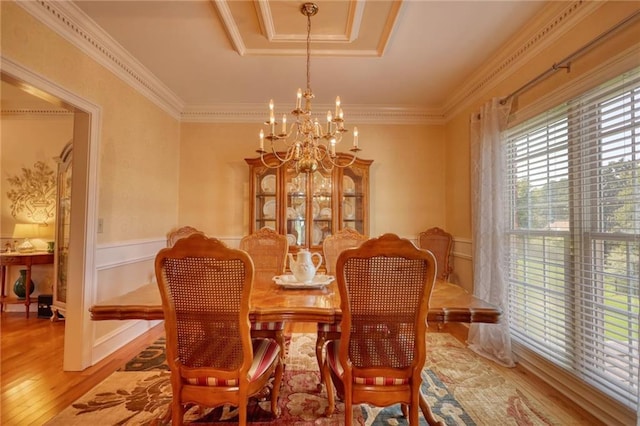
[[78, 340]]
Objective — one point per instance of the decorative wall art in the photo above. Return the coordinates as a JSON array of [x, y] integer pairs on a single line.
[[33, 194]]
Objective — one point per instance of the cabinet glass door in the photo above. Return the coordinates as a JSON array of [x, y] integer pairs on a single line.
[[353, 200], [63, 225], [296, 208], [321, 207], [266, 206]]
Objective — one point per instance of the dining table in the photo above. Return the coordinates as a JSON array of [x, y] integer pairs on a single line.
[[271, 302]]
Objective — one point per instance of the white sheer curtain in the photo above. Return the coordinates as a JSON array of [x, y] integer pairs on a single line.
[[487, 175]]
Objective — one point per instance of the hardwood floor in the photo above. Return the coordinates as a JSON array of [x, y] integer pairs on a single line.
[[34, 388]]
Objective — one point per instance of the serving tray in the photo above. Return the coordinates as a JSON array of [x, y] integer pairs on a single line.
[[289, 281]]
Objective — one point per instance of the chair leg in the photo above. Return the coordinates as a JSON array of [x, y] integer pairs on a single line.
[[348, 407], [177, 412], [413, 417], [320, 341], [427, 413], [242, 412], [405, 410]]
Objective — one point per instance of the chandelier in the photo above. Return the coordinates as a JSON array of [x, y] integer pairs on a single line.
[[307, 145]]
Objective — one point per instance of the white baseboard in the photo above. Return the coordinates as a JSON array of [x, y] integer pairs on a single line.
[[118, 338]]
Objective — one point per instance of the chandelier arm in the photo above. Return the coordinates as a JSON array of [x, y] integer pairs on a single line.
[[336, 164], [269, 166], [288, 154]]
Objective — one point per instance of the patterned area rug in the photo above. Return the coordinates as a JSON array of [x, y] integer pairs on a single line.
[[462, 388]]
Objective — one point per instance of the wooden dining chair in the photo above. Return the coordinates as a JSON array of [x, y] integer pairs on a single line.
[[332, 246], [182, 232], [205, 288], [385, 286], [440, 243], [268, 251]]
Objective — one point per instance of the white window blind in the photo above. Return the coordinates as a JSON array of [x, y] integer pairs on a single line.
[[573, 195]]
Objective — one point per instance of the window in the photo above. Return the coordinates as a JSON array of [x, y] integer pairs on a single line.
[[573, 195]]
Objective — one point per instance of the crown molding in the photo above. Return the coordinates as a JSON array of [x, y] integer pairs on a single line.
[[369, 114], [31, 113], [75, 26], [548, 26], [72, 24]]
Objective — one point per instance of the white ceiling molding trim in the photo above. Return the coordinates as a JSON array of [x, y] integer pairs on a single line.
[[71, 23], [354, 21], [365, 53], [230, 27], [267, 26], [554, 21], [250, 113], [31, 113], [389, 26]]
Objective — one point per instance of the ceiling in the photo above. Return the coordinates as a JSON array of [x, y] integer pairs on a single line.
[[374, 53]]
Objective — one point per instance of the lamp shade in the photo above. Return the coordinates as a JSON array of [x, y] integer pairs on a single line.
[[25, 230]]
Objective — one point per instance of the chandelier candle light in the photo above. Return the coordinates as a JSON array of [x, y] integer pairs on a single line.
[[307, 144]]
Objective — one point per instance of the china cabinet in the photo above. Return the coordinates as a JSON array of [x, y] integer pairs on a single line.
[[308, 207], [63, 222]]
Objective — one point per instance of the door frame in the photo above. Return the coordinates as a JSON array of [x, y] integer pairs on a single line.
[[79, 329]]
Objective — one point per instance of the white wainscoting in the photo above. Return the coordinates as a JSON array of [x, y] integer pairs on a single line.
[[125, 255]]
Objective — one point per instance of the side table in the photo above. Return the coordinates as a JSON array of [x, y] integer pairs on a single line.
[[27, 260]]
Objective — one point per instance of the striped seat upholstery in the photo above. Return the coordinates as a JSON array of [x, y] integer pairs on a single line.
[[334, 363], [264, 353]]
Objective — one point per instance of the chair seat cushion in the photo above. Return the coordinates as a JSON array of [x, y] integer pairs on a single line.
[[334, 363], [265, 351], [329, 328], [271, 326]]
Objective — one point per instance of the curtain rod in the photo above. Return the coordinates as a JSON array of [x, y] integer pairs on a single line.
[[566, 62]]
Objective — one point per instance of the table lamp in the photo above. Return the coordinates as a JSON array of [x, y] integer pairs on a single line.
[[25, 231]]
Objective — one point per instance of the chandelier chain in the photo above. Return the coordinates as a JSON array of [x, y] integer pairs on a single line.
[[309, 52]]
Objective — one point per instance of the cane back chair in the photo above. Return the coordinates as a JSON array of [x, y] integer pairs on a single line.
[[438, 242], [206, 288], [332, 246], [268, 250], [179, 233], [385, 286]]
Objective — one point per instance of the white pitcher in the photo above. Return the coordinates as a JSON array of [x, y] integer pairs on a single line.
[[303, 267]]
